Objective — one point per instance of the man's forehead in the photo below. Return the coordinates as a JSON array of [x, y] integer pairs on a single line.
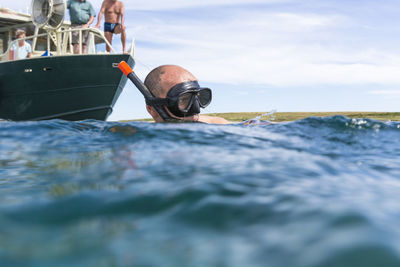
[[174, 75]]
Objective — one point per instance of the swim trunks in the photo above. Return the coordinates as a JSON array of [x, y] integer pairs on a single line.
[[110, 27]]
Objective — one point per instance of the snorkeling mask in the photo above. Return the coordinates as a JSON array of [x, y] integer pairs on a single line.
[[183, 100]]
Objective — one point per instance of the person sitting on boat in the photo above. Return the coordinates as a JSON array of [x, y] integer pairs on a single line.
[[82, 14], [178, 96], [20, 49], [114, 21]]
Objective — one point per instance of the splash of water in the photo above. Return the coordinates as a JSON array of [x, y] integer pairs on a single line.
[[265, 118]]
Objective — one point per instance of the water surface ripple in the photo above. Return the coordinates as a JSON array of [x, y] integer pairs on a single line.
[[314, 192]]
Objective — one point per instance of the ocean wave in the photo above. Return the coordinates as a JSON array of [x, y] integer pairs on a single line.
[[313, 192]]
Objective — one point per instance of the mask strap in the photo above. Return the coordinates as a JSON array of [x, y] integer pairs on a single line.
[[158, 101], [185, 86]]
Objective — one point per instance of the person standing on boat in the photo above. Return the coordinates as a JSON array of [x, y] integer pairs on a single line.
[[82, 14], [114, 21], [20, 49]]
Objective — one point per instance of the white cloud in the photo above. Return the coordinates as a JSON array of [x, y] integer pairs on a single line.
[[280, 49]]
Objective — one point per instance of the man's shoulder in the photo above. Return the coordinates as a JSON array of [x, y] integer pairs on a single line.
[[119, 4], [88, 3], [75, 3], [108, 3], [212, 119], [116, 3], [89, 6]]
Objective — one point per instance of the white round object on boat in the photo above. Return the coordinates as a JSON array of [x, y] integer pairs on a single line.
[[49, 13]]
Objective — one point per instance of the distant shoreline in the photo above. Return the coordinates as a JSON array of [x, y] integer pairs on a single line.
[[292, 116]]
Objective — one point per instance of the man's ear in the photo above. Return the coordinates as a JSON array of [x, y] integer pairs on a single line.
[[151, 111], [154, 113]]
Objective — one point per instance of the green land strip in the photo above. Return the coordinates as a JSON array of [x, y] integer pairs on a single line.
[[292, 116]]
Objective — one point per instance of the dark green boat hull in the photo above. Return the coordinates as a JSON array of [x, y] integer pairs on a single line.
[[72, 88]]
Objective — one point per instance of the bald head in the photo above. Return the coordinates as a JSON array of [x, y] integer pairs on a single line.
[[163, 78]]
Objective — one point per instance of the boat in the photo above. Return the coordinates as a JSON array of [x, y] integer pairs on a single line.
[[54, 83]]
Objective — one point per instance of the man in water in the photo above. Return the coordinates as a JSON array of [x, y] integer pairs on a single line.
[[20, 49], [171, 82], [82, 15], [114, 21]]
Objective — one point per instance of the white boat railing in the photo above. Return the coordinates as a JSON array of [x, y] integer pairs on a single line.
[[62, 40]]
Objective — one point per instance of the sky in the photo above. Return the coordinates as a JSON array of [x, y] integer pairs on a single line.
[[264, 55]]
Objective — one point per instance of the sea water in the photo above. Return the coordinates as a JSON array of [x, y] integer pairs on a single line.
[[314, 192]]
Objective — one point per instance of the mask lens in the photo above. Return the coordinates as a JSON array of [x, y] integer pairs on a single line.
[[204, 97], [184, 101]]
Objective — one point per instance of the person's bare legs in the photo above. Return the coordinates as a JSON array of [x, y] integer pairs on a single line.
[[123, 40], [76, 49], [109, 37]]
